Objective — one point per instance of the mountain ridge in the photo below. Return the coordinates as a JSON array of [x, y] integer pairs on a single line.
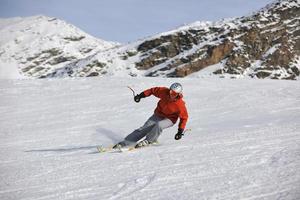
[[265, 44]]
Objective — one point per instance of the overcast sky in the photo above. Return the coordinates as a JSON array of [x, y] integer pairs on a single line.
[[128, 20]]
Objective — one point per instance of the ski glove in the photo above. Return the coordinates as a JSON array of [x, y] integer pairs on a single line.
[[138, 97], [179, 134]]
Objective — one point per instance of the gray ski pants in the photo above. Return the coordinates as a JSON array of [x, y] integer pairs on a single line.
[[151, 129]]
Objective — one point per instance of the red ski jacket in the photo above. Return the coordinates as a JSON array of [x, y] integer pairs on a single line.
[[168, 108]]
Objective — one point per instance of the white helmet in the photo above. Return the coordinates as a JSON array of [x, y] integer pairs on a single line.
[[176, 87]]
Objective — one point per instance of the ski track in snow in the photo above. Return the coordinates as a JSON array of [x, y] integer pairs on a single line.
[[244, 143]]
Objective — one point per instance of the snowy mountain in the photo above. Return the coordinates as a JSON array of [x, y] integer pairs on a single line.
[[35, 46], [244, 142], [263, 45]]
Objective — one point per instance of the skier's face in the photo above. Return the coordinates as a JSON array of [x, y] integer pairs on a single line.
[[173, 94]]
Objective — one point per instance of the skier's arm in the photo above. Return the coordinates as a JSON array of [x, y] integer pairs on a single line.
[[156, 91], [183, 119], [183, 116]]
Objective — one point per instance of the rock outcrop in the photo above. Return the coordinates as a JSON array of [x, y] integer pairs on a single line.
[[264, 45]]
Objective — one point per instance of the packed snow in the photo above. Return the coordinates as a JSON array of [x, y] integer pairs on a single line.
[[244, 141]]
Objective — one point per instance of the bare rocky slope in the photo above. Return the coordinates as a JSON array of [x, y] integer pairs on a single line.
[[264, 45]]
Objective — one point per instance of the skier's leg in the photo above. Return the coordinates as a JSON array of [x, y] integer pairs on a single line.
[[141, 132], [155, 132]]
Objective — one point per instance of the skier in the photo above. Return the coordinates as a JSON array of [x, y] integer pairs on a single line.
[[169, 108]]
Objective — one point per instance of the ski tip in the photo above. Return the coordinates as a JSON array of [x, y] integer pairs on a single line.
[[100, 149]]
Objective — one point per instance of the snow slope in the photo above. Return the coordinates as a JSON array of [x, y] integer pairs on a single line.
[[244, 143]]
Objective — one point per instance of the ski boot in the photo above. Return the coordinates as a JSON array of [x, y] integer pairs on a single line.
[[143, 143], [120, 145]]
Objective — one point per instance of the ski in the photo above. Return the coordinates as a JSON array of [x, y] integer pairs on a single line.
[[102, 149]]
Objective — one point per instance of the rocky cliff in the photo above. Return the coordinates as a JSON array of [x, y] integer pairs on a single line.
[[264, 45]]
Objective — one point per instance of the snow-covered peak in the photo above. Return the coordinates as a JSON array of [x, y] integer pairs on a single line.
[[42, 26], [280, 5], [39, 44]]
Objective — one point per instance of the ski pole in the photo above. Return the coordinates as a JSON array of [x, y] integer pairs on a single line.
[[132, 91]]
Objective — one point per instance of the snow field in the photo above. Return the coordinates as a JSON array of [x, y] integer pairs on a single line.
[[244, 143]]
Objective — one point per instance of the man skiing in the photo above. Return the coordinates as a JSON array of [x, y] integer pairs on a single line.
[[169, 108]]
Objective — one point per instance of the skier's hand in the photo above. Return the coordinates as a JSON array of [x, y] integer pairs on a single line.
[[179, 134], [138, 97]]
